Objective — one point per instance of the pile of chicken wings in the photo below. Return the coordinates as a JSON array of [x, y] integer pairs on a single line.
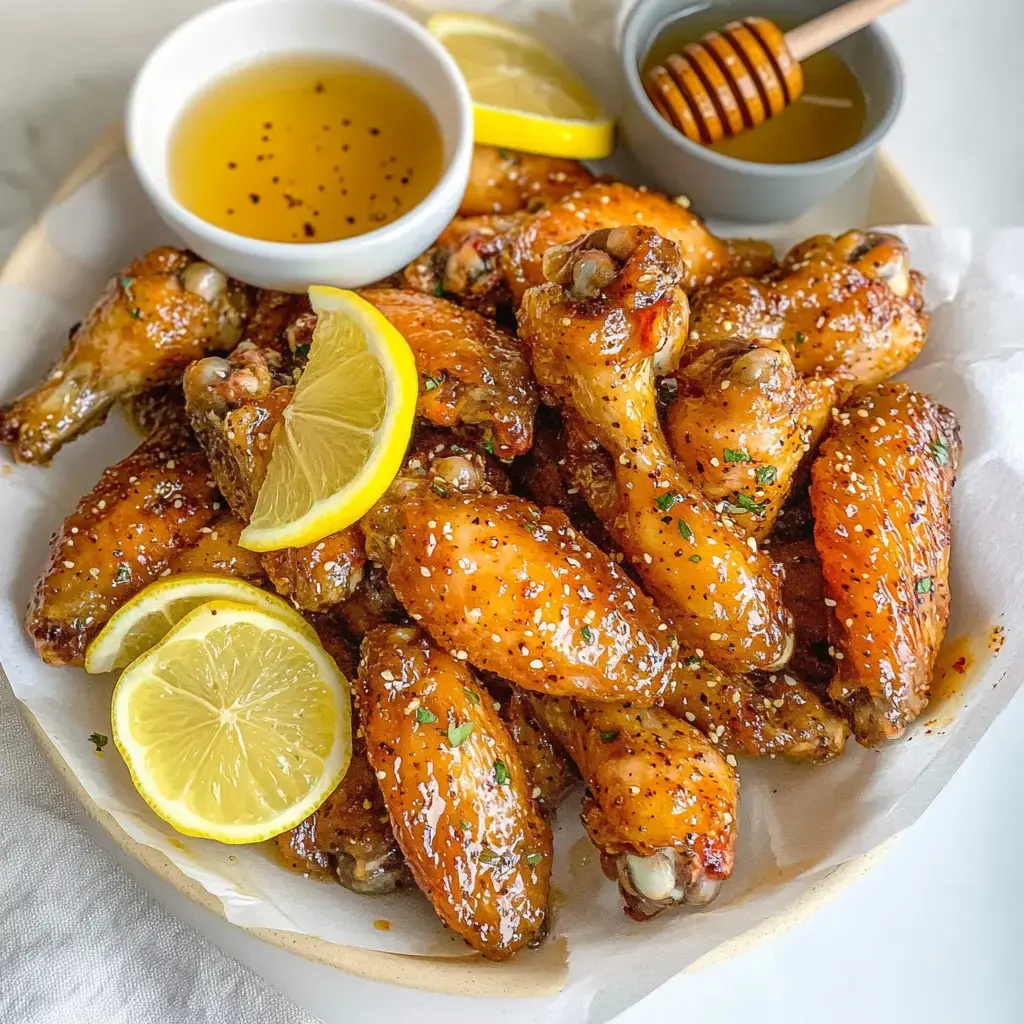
[[663, 508]]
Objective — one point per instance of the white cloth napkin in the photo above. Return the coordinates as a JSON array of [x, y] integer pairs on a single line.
[[80, 941]]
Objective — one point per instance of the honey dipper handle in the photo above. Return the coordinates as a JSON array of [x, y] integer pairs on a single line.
[[837, 24]]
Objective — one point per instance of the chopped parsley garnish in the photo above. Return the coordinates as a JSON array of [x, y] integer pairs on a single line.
[[533, 859], [666, 501], [685, 530], [588, 634], [458, 734], [800, 337], [302, 351], [488, 856], [925, 585], [127, 282], [940, 451], [425, 717], [736, 455], [500, 773], [693, 661], [694, 558], [136, 313], [488, 446], [98, 740], [439, 289], [470, 695], [429, 383], [439, 489], [610, 737], [765, 475], [123, 574], [465, 825], [744, 503]]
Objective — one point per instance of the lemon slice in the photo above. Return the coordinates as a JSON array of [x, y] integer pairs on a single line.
[[524, 96], [235, 726], [345, 430], [147, 618]]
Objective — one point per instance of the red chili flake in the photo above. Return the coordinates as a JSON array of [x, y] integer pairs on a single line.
[[960, 665]]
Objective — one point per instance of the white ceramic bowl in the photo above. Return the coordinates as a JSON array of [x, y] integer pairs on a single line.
[[234, 34]]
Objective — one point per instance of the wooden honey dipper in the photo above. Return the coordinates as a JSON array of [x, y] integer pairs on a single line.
[[736, 79]]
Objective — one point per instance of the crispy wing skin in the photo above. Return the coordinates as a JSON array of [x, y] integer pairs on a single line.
[[124, 534], [614, 204], [504, 181], [848, 306], [456, 790], [154, 407], [218, 552], [463, 263], [742, 424], [373, 603], [517, 591], [472, 373], [660, 802], [881, 490], [594, 331], [158, 314], [548, 771], [775, 716], [235, 406]]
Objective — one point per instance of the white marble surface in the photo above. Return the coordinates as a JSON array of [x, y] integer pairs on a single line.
[[935, 933]]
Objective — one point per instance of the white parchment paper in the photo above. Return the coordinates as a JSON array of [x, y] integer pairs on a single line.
[[796, 823]]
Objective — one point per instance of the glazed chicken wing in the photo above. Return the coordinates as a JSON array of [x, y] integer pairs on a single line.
[[741, 425], [235, 405], [660, 803], [161, 312], [463, 263], [850, 307], [881, 490], [504, 181], [776, 716], [124, 534], [705, 258], [472, 373], [517, 591], [456, 791], [612, 306]]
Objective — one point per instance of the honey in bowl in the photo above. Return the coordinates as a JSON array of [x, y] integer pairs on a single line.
[[826, 119], [305, 149]]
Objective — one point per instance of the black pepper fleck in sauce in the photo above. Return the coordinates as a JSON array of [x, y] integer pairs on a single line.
[[279, 115]]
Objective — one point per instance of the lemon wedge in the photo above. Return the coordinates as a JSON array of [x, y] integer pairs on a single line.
[[524, 96], [235, 726], [148, 617], [345, 430]]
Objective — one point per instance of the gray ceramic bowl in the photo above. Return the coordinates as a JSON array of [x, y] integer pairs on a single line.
[[721, 186]]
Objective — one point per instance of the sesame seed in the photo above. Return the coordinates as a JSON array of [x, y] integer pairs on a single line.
[[536, 663], [388, 676], [461, 655], [829, 603], [730, 759], [634, 790], [382, 774], [690, 716], [714, 637], [424, 571], [68, 565]]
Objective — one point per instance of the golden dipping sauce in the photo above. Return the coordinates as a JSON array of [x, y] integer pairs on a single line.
[[305, 149], [828, 118]]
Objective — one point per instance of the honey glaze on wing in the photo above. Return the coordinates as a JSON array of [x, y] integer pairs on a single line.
[[305, 149]]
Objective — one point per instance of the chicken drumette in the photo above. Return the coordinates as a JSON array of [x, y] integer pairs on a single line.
[[850, 307], [161, 312], [611, 309], [880, 491], [742, 423], [660, 803]]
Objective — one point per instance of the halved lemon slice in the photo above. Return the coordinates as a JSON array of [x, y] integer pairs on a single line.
[[234, 727], [345, 430], [524, 96], [148, 617]]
